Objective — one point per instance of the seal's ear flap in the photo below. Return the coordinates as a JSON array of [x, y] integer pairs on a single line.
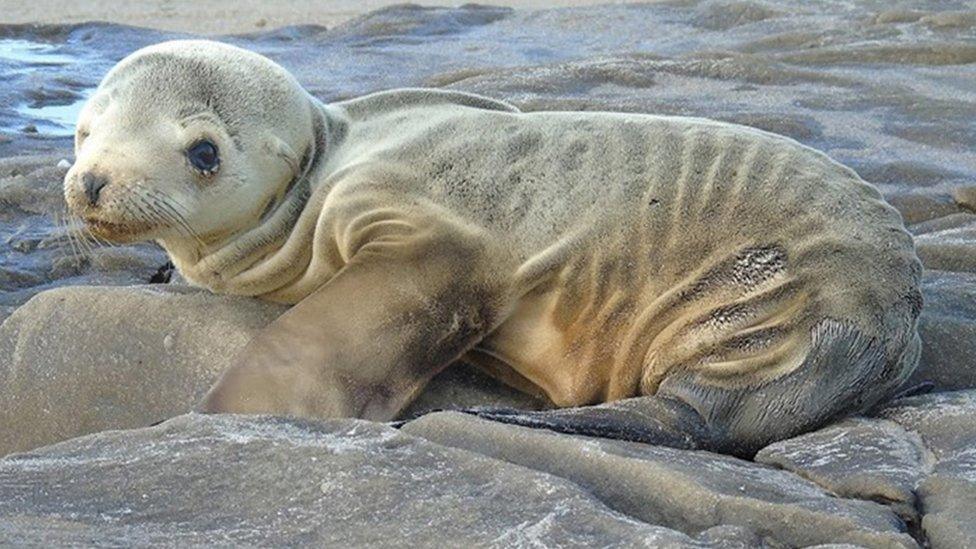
[[275, 146]]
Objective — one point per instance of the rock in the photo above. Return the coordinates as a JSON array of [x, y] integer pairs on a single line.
[[898, 16], [948, 330], [912, 174], [861, 458], [947, 424], [259, 481], [965, 196], [686, 491], [411, 19], [918, 205], [731, 536], [461, 386], [946, 421], [78, 360], [725, 15], [949, 500], [951, 249], [950, 19], [32, 184], [944, 223]]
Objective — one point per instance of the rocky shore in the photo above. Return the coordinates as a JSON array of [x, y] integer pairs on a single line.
[[91, 356]]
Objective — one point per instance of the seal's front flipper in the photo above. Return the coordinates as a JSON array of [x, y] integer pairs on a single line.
[[649, 419], [413, 294]]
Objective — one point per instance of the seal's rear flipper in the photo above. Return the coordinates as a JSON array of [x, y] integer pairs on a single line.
[[650, 420], [922, 388], [843, 373]]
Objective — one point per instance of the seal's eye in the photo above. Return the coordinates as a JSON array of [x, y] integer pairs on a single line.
[[203, 156]]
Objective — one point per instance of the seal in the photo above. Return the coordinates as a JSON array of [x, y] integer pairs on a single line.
[[671, 280]]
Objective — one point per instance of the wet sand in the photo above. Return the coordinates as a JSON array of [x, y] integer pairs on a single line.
[[229, 16]]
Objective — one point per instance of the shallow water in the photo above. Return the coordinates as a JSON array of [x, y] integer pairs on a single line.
[[887, 87], [55, 120], [28, 52], [48, 111]]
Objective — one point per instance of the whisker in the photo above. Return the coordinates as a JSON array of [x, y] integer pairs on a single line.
[[82, 235], [63, 234], [71, 232], [146, 208], [152, 208], [169, 207]]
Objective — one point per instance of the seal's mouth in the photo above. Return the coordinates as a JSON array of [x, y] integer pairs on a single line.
[[116, 232]]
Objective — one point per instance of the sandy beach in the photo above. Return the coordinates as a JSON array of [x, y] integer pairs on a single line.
[[228, 17]]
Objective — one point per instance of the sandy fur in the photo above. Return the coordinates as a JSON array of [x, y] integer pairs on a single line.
[[587, 256]]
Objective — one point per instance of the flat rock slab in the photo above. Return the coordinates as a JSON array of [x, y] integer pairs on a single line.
[[949, 249], [234, 480], [917, 455], [687, 491], [946, 423], [864, 458]]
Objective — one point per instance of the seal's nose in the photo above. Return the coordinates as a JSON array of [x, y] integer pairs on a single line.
[[93, 185]]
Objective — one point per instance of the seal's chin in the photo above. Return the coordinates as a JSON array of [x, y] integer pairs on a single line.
[[119, 232]]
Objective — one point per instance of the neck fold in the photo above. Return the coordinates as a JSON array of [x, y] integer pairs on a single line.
[[224, 266]]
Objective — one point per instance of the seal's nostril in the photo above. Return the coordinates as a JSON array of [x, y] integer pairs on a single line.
[[93, 185]]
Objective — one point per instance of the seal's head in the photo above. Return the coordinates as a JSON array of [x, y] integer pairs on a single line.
[[188, 143]]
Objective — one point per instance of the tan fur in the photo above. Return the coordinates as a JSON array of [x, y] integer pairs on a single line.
[[587, 256]]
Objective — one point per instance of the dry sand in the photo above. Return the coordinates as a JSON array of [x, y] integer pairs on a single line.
[[226, 16]]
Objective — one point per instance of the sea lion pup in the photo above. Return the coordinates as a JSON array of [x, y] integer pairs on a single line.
[[670, 280]]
